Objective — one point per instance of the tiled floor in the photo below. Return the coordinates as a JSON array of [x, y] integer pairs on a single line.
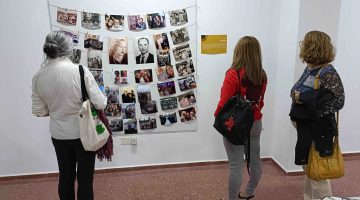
[[195, 183]]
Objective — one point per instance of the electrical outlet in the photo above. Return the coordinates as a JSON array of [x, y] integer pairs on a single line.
[[125, 141], [133, 141]]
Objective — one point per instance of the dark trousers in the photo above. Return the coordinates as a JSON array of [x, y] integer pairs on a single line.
[[71, 155]]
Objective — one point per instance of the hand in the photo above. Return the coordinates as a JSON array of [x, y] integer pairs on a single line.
[[297, 97]]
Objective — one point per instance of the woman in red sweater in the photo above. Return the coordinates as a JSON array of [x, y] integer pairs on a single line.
[[248, 61]]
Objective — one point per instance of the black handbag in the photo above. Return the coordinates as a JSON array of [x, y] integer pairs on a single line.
[[235, 119]]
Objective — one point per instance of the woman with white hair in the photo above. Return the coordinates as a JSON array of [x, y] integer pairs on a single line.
[[56, 92]]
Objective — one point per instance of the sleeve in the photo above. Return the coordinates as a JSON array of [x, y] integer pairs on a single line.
[[332, 82], [97, 98], [228, 89], [261, 102], [39, 107]]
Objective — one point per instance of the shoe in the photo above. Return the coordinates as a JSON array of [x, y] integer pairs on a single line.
[[245, 197]]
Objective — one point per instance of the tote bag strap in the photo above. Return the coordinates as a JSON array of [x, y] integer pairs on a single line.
[[84, 93]]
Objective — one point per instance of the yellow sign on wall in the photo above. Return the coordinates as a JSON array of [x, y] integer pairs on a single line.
[[213, 44]]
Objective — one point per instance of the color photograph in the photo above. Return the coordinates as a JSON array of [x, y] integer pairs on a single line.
[[120, 77], [186, 99], [187, 114], [147, 122], [136, 23], [130, 126], [168, 119], [66, 17], [156, 20], [114, 22], [167, 88], [187, 83]]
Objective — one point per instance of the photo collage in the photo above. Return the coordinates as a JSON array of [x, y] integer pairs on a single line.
[[161, 60]]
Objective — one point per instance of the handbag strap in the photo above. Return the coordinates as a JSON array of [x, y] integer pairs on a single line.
[[84, 93]]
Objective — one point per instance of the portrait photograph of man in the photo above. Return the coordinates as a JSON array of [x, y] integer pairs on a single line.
[[144, 52]]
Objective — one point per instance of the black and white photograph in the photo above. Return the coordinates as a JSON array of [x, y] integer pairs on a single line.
[[94, 59], [182, 52], [156, 20], [137, 22], [93, 41], [130, 126], [161, 42], [112, 94], [168, 119], [165, 72], [168, 103], [143, 76], [185, 68], [128, 110], [144, 93], [187, 83], [66, 17], [113, 110], [76, 56], [147, 122], [114, 22], [116, 125], [120, 77], [148, 107], [187, 99], [98, 76], [128, 94], [118, 51], [73, 35], [179, 36], [144, 52], [178, 17], [167, 88], [163, 58], [90, 21], [187, 114]]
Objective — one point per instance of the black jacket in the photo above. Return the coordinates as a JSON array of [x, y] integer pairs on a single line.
[[311, 127]]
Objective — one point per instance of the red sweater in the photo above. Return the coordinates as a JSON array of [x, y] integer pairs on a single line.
[[253, 93]]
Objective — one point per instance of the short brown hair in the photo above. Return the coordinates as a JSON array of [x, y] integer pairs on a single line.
[[316, 48], [247, 53]]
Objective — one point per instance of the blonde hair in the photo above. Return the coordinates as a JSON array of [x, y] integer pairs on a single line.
[[247, 53], [316, 48]]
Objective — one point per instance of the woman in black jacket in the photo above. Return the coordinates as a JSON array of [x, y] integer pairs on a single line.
[[313, 110]]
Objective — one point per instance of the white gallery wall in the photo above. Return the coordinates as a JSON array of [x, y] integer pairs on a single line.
[[25, 146]]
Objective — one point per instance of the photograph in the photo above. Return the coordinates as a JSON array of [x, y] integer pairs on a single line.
[[118, 51], [165, 72], [185, 68], [73, 35], [178, 17], [163, 57], [114, 22], [143, 76], [187, 83], [161, 42], [93, 41], [128, 94], [156, 20], [136, 23], [113, 110], [128, 110], [120, 77], [168, 103], [144, 52], [166, 88], [94, 59], [187, 114], [90, 21], [98, 76], [66, 17], [112, 94], [147, 122], [148, 107], [186, 99], [144, 93], [116, 125], [182, 52], [76, 56], [179, 36], [168, 119], [130, 126]]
